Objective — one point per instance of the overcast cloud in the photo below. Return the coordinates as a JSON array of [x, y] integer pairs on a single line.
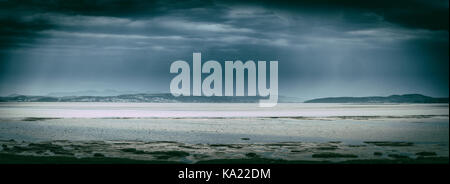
[[324, 48]]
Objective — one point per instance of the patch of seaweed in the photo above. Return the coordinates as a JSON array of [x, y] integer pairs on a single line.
[[28, 159], [38, 119], [40, 148], [397, 156], [426, 153], [251, 155], [157, 154], [98, 155], [377, 153], [171, 153], [356, 145], [331, 147], [134, 151], [389, 143], [333, 155]]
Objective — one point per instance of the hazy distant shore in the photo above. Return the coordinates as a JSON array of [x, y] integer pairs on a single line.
[[169, 98]]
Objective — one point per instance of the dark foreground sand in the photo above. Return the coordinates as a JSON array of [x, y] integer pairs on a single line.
[[133, 152]]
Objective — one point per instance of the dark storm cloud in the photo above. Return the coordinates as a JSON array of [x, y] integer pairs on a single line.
[[412, 13], [22, 17], [332, 47], [85, 7], [14, 30]]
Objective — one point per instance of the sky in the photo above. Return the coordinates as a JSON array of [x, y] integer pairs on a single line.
[[323, 48]]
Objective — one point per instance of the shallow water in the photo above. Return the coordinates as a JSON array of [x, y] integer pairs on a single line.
[[140, 110], [225, 123], [431, 130]]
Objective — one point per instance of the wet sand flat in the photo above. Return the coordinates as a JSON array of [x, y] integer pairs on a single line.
[[199, 133]]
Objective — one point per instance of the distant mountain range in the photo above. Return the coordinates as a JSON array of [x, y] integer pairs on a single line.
[[142, 97], [106, 92], [407, 98], [169, 98]]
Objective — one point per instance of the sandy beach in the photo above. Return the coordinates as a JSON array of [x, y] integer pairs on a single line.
[[197, 133]]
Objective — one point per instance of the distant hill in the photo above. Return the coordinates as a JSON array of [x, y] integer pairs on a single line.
[[407, 98], [143, 97], [169, 98], [107, 92]]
